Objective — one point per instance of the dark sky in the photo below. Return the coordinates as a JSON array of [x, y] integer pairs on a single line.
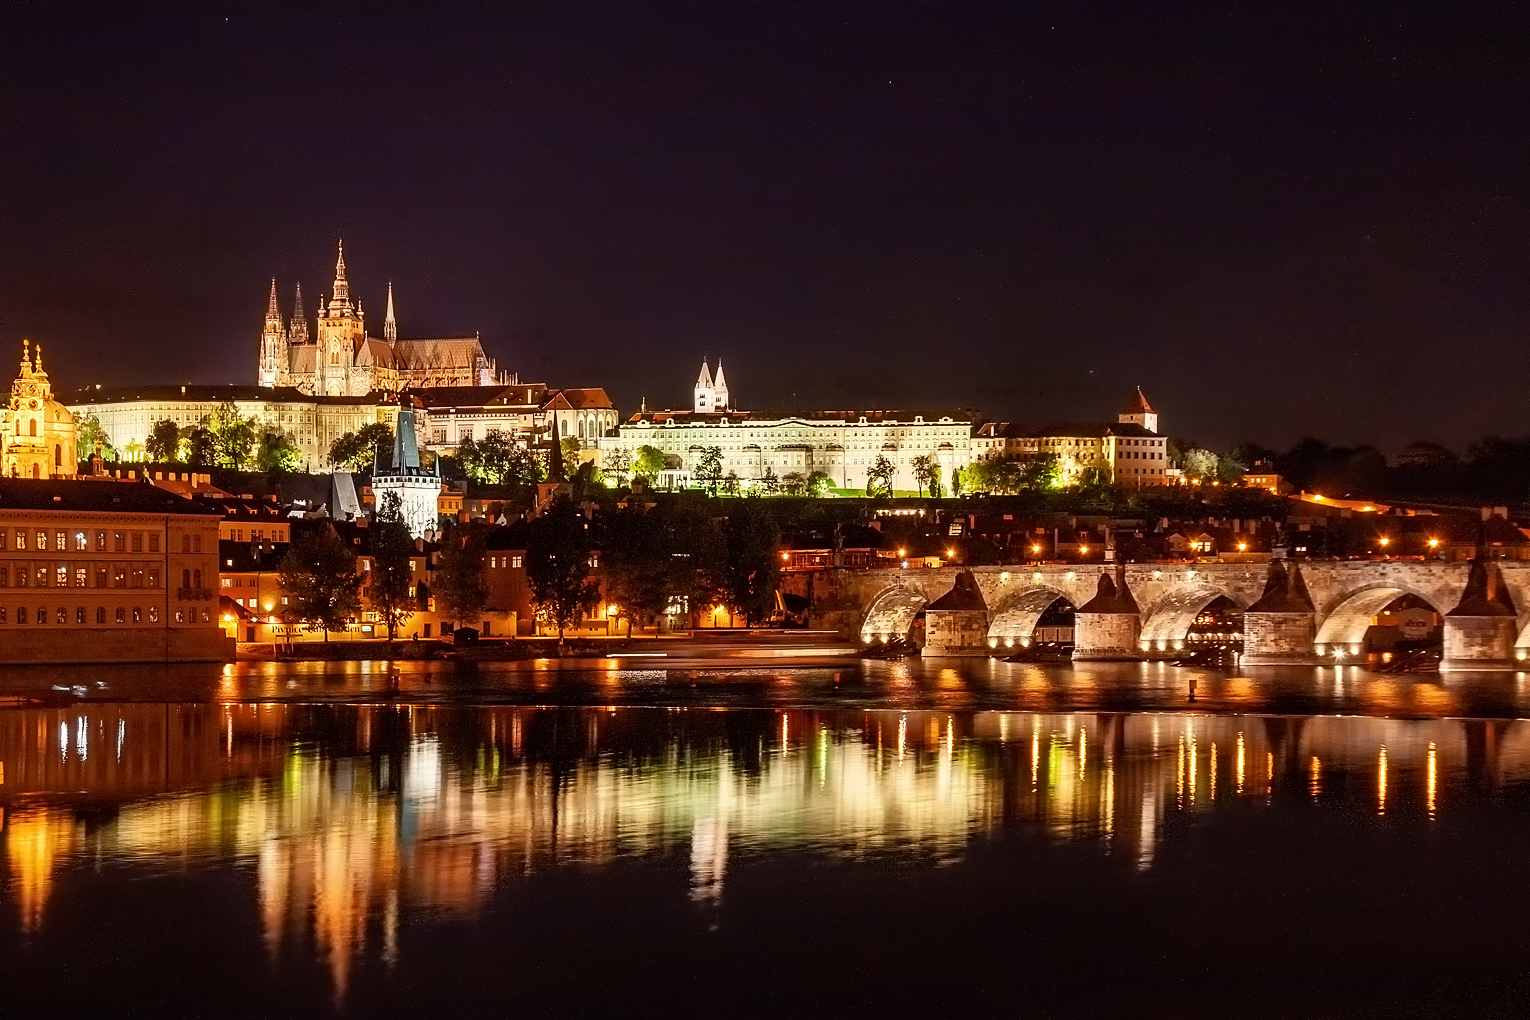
[[1280, 219]]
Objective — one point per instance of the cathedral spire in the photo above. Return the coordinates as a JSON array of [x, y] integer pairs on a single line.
[[342, 289], [297, 331], [271, 309], [26, 357], [390, 327]]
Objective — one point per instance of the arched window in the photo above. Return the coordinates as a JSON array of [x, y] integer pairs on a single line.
[[100, 614], [58, 456], [185, 579], [196, 577], [79, 614], [21, 614], [32, 425], [36, 471]]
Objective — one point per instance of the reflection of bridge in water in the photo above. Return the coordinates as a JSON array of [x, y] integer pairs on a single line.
[[351, 815], [1295, 612]]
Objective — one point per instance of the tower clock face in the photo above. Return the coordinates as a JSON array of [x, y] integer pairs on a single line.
[[32, 404]]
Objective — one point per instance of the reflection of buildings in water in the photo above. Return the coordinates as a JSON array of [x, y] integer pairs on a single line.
[[352, 815], [34, 843]]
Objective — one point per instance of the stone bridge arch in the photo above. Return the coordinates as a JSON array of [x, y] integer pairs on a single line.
[[1166, 624], [1343, 627], [1015, 620], [891, 613]]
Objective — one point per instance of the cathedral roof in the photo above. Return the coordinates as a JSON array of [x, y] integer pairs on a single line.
[[443, 352], [373, 352]]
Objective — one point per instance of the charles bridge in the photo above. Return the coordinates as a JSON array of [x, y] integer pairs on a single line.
[[1295, 611]]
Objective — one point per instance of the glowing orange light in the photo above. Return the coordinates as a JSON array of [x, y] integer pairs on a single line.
[[950, 554], [1385, 541], [1434, 543], [1083, 550]]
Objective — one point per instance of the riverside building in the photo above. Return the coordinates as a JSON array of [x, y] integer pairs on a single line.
[[107, 571]]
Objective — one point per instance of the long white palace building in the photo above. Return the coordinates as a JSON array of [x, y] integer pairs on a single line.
[[841, 444]]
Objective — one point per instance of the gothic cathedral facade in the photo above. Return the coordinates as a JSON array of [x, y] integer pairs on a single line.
[[341, 360]]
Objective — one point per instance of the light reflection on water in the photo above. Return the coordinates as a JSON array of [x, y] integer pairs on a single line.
[[353, 818]]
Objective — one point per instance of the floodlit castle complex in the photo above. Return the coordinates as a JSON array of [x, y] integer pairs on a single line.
[[341, 360], [317, 379]]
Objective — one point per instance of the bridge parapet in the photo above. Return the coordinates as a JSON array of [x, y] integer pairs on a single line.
[[1327, 620]]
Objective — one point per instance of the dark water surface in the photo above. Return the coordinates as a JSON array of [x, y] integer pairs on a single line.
[[295, 840]]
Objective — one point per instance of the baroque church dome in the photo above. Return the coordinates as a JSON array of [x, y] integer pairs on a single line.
[[37, 433]]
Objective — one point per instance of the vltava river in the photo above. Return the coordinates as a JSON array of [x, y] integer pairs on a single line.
[[430, 856]]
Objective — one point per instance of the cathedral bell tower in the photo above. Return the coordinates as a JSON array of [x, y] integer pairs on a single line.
[[341, 334]]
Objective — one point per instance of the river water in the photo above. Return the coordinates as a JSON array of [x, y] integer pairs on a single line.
[[872, 839]]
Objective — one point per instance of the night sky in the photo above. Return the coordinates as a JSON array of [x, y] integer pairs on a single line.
[[1279, 219]]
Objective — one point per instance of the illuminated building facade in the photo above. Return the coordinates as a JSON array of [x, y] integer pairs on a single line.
[[1128, 452], [37, 433], [107, 571], [844, 445]]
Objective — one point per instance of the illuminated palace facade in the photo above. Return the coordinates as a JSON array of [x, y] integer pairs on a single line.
[[339, 359], [842, 444]]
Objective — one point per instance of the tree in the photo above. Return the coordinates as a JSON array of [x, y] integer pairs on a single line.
[[89, 435], [460, 587], [818, 484], [638, 562], [731, 484], [1200, 463], [572, 451], [319, 576], [200, 450], [935, 490], [879, 477], [708, 473], [558, 564], [163, 444], [769, 483], [752, 559], [391, 588], [232, 435], [794, 483], [619, 465], [278, 454], [650, 460], [925, 472], [357, 451], [492, 460], [956, 481]]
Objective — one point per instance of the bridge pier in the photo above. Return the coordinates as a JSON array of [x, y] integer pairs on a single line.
[[1281, 628], [1481, 631], [957, 622], [1107, 627]]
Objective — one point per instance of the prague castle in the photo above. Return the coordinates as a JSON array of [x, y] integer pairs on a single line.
[[341, 360]]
